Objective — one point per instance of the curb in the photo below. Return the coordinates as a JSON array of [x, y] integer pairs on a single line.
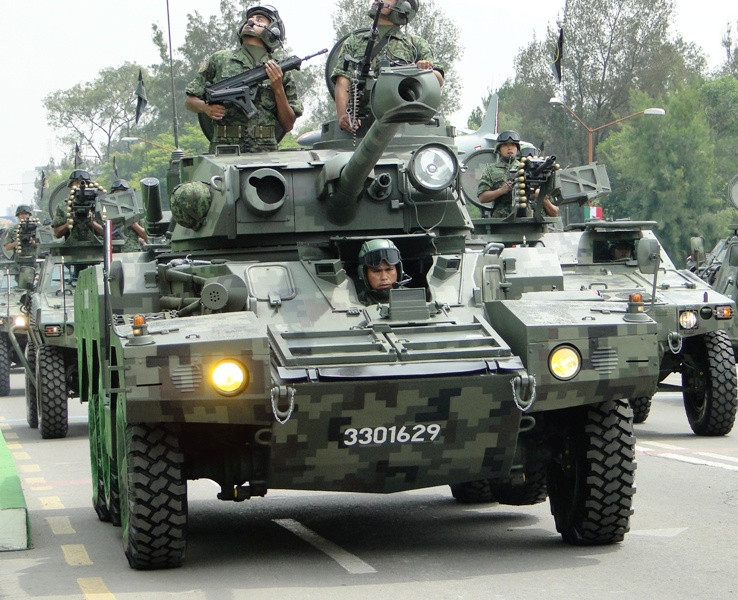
[[14, 525]]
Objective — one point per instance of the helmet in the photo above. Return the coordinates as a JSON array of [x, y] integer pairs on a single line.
[[373, 252], [23, 208], [78, 174], [529, 151], [272, 35], [401, 13], [507, 137], [120, 185]]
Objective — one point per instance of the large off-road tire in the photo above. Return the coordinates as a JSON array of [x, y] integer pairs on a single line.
[[472, 492], [641, 408], [51, 393], [5, 354], [709, 385], [31, 400], [153, 492], [591, 477], [532, 490]]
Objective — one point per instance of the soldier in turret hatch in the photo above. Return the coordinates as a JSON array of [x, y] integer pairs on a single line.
[[83, 227], [393, 47], [380, 270], [261, 36]]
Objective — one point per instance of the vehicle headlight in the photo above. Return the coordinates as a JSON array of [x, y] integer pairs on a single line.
[[564, 362], [230, 377], [688, 319], [432, 168], [20, 322]]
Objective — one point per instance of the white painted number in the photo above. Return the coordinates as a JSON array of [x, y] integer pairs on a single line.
[[415, 434]]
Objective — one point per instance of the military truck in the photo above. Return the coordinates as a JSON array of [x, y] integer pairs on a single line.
[[600, 257], [244, 354], [51, 352]]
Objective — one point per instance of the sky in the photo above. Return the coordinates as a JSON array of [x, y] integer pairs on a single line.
[[48, 45]]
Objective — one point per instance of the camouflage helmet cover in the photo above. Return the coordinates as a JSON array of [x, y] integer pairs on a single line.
[[191, 203], [272, 35], [374, 252], [23, 208]]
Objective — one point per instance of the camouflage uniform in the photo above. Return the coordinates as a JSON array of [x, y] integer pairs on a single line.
[[493, 176], [78, 233], [257, 134], [131, 239], [24, 255], [400, 49]]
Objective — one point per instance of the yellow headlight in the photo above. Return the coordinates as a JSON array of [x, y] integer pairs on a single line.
[[20, 322], [688, 319], [564, 362], [230, 377]]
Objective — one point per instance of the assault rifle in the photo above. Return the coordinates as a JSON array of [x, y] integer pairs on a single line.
[[240, 90]]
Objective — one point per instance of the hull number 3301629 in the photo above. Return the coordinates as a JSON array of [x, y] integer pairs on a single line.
[[367, 436]]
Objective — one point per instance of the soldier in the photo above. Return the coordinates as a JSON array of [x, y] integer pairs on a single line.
[[84, 229], [380, 270], [134, 234], [495, 186], [276, 100], [23, 246], [393, 46]]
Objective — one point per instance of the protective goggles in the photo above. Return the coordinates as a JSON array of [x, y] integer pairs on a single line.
[[507, 136], [374, 258]]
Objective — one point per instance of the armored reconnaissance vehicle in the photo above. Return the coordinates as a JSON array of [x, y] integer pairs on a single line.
[[600, 257], [245, 355], [51, 352]]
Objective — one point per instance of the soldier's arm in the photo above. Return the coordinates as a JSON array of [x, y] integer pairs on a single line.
[[285, 113]]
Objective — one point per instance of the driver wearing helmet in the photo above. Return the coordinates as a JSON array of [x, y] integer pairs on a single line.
[[393, 46], [380, 270], [260, 36]]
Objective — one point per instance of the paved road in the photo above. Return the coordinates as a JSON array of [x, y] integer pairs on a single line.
[[404, 546]]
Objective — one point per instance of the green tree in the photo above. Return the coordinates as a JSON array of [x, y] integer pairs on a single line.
[[663, 170], [95, 114]]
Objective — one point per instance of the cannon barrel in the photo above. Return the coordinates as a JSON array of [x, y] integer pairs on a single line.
[[400, 95]]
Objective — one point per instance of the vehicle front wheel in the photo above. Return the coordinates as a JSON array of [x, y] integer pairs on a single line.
[[31, 401], [641, 408], [591, 477], [709, 385], [51, 393]]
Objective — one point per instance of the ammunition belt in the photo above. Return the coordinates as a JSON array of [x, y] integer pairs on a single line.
[[242, 131]]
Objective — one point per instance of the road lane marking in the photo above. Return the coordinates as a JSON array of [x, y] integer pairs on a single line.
[[51, 503], [21, 455], [698, 461], [348, 561], [60, 525], [673, 532], [94, 589], [76, 555], [10, 436], [718, 456], [662, 445], [29, 468], [13, 445]]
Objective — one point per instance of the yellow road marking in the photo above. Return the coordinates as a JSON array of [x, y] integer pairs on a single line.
[[76, 555], [10, 436], [60, 525], [29, 468], [94, 589], [13, 445], [51, 503], [35, 480], [21, 455]]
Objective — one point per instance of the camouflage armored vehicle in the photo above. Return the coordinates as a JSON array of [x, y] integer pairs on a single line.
[[245, 355], [600, 257], [51, 352]]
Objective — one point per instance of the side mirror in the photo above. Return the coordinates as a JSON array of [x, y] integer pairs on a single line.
[[648, 253], [698, 249]]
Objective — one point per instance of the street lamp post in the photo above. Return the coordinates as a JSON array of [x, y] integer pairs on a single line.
[[140, 139], [591, 130]]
